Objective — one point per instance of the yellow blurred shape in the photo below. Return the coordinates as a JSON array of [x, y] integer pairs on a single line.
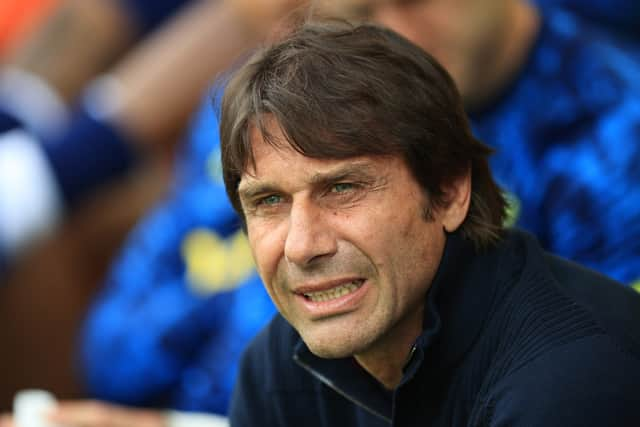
[[513, 209], [215, 264]]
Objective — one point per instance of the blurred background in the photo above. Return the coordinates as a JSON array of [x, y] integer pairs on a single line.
[[45, 294]]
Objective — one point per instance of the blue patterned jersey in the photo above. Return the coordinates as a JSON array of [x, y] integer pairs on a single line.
[[618, 15], [182, 299], [567, 134]]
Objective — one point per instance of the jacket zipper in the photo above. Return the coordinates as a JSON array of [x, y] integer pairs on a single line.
[[330, 384]]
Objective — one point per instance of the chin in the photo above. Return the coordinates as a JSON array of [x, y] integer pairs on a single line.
[[326, 352], [334, 347]]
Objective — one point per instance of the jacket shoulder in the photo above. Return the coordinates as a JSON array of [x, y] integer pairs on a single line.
[[569, 348], [586, 382], [613, 306]]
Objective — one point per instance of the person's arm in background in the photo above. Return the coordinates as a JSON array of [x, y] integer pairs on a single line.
[[79, 40], [153, 91], [142, 105], [41, 78], [100, 414]]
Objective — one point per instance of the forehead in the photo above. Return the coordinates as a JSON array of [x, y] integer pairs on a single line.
[[279, 160], [280, 165]]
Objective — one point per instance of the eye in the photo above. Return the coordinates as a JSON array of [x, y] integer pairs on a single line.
[[270, 200], [341, 187]]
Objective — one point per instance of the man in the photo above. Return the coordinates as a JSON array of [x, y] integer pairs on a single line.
[[376, 227]]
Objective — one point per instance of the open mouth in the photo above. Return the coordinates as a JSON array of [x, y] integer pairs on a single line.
[[334, 293]]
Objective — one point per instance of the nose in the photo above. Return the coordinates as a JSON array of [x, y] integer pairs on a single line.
[[310, 237]]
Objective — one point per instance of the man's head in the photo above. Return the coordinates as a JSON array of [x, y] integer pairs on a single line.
[[339, 91], [481, 43], [347, 152]]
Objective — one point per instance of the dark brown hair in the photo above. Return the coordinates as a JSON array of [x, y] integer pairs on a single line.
[[339, 90]]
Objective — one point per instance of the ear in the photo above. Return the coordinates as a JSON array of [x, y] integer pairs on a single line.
[[458, 196]]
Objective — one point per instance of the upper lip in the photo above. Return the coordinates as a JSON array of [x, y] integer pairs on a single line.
[[310, 287]]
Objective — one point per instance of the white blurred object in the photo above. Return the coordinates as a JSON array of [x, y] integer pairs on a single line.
[[29, 407], [31, 203], [194, 419]]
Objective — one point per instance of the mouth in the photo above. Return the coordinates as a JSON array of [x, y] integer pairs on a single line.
[[335, 292]]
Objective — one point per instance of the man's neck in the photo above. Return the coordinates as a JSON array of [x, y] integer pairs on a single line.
[[386, 359], [491, 76]]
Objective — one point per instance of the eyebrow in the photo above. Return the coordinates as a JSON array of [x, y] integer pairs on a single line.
[[251, 191], [359, 170], [362, 169]]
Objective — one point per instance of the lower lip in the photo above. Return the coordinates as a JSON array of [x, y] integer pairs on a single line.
[[341, 305]]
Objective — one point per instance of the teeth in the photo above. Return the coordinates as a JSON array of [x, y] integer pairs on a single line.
[[334, 293]]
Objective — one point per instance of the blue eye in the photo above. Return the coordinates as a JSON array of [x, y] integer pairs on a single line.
[[341, 187], [271, 200]]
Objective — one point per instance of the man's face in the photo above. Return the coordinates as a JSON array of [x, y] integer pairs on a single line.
[[341, 245]]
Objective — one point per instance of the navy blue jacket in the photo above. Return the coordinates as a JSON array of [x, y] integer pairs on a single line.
[[512, 337]]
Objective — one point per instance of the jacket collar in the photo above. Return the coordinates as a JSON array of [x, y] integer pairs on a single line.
[[458, 301]]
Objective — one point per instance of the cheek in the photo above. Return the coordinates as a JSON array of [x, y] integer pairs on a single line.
[[382, 234], [407, 239], [266, 247]]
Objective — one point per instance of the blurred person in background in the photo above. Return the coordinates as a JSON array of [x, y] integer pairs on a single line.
[[182, 299], [178, 307]]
